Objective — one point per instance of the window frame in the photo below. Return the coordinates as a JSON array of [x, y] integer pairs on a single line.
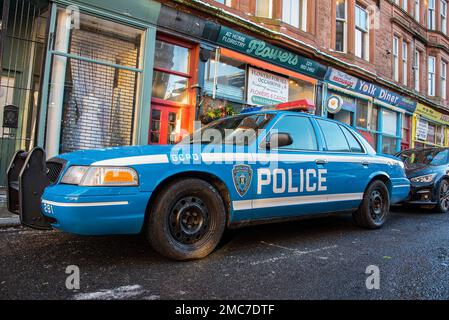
[[417, 10], [319, 145], [405, 63], [443, 80], [431, 81], [188, 76], [364, 34], [339, 125], [270, 9], [345, 28], [396, 58], [416, 71], [443, 16], [431, 15]]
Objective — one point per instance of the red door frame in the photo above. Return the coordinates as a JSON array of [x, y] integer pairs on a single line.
[[186, 112]]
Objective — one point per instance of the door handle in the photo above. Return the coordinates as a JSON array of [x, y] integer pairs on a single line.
[[365, 163], [320, 161]]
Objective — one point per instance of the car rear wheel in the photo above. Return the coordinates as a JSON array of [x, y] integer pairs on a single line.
[[443, 197], [375, 206], [187, 220]]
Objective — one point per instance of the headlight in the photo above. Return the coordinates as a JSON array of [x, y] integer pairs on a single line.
[[424, 179], [101, 176], [74, 175]]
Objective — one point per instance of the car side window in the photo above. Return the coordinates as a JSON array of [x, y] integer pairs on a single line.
[[334, 136], [301, 131], [354, 145]]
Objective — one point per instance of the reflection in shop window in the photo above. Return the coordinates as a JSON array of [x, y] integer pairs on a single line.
[[299, 89], [99, 100], [170, 87], [389, 145], [171, 57], [362, 114], [389, 122], [231, 77]]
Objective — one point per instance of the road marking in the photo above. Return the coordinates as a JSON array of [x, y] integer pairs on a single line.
[[124, 292], [295, 253]]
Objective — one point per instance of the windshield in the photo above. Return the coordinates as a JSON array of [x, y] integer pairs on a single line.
[[424, 157], [240, 130]]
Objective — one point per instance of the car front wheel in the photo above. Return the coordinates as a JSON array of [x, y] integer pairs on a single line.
[[375, 206], [187, 220], [443, 197]]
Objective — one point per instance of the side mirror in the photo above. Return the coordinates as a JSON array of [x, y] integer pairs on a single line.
[[279, 140]]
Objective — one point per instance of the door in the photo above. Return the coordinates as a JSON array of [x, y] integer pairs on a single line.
[[348, 167], [163, 125], [293, 182]]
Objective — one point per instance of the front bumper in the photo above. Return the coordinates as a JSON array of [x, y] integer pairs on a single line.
[[423, 194], [95, 211]]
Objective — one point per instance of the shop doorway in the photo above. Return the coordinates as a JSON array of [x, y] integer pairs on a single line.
[[163, 125]]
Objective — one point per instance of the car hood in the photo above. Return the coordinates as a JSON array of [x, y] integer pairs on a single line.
[[87, 157], [421, 170]]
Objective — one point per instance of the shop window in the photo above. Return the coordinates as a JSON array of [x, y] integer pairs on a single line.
[[344, 116], [334, 136], [361, 33], [362, 114], [406, 124], [299, 89], [98, 98], [294, 12], [389, 122], [341, 26], [230, 79], [389, 145], [264, 8], [374, 118], [171, 72], [301, 131]]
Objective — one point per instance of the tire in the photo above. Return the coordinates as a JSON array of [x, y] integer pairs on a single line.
[[443, 197], [187, 220], [375, 206]]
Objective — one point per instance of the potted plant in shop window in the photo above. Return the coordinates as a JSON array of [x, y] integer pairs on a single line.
[[215, 110]]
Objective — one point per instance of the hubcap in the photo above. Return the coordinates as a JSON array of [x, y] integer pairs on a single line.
[[444, 196], [376, 205], [188, 220]]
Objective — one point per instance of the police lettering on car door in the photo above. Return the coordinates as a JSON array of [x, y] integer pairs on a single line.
[[285, 181]]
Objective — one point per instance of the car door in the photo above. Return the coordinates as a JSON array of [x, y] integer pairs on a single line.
[[348, 167], [293, 182]]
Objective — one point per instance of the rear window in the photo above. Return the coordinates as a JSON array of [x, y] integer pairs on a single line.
[[354, 144], [333, 136]]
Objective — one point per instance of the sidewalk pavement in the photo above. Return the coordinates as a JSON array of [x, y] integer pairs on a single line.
[[7, 219]]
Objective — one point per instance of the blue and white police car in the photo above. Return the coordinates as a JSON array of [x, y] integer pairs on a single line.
[[255, 167]]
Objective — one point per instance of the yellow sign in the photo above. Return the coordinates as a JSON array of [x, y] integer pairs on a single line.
[[432, 114]]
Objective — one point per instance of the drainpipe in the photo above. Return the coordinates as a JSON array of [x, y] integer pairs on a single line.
[[56, 99]]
